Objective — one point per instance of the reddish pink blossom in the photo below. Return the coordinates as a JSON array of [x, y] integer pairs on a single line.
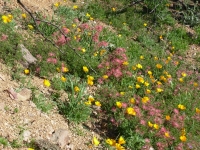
[[65, 30], [179, 147], [176, 111], [98, 28], [117, 72], [4, 37], [51, 54], [52, 60], [76, 20], [62, 40], [95, 37], [37, 70], [103, 44], [143, 122], [84, 26], [124, 105], [175, 124], [100, 80]]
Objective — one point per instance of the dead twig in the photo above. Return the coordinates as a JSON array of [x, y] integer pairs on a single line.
[[60, 30]]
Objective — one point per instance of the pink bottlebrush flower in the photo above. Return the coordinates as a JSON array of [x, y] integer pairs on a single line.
[[160, 145], [38, 22], [84, 26], [163, 130], [147, 141], [49, 60], [61, 40], [37, 70], [95, 37], [179, 147], [176, 111], [107, 64], [143, 122], [100, 66], [98, 28], [65, 30], [100, 80], [117, 73], [103, 44], [175, 124], [113, 109], [54, 60], [158, 120], [129, 73], [124, 105], [4, 37], [76, 20], [39, 57], [51, 54], [118, 61], [138, 111], [117, 94]]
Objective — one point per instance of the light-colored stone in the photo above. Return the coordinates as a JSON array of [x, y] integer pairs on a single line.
[[29, 58], [26, 135], [61, 137]]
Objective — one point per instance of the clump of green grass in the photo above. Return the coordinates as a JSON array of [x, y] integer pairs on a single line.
[[3, 141], [42, 102]]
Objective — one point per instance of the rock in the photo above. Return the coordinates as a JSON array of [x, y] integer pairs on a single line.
[[45, 145], [29, 58], [61, 137], [24, 94], [26, 135]]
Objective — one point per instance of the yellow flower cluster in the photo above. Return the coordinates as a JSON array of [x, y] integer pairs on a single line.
[[155, 126], [90, 80], [197, 110], [57, 4], [26, 71], [85, 69], [119, 104], [183, 74], [7, 19], [63, 79], [47, 83], [95, 141], [183, 137], [181, 107], [117, 145], [91, 99], [145, 99], [76, 89], [24, 16], [130, 111]]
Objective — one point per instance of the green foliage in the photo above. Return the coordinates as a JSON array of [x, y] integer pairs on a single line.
[[3, 141], [42, 102], [197, 30], [179, 39], [74, 109], [67, 13], [9, 51]]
